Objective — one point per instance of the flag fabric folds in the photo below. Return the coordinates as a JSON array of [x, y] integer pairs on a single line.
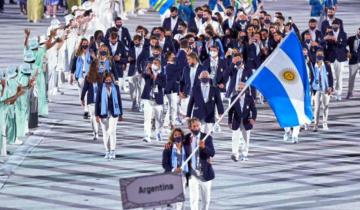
[[161, 5], [283, 81]]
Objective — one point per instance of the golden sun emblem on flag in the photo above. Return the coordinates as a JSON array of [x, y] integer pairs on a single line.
[[288, 75]]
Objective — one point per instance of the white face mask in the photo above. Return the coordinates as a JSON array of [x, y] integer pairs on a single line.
[[155, 67], [213, 54]]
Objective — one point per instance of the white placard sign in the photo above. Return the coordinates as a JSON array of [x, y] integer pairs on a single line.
[[151, 190]]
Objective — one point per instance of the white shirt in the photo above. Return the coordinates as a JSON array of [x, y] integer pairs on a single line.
[[238, 76], [313, 34], [213, 66], [138, 50], [356, 44], [242, 101], [113, 48], [214, 24], [83, 58], [173, 22], [198, 22], [120, 32], [231, 21], [205, 90], [193, 75]]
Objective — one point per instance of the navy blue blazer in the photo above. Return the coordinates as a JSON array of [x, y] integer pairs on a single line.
[[201, 110], [355, 57], [244, 114], [325, 24], [136, 64], [192, 26], [318, 35], [204, 156], [110, 102], [336, 50], [253, 61], [221, 75], [88, 88], [181, 59], [185, 83], [150, 83], [173, 76], [119, 66], [168, 46], [232, 71], [125, 36], [167, 25]]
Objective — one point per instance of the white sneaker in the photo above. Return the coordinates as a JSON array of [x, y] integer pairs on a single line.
[[325, 127], [287, 136], [244, 158], [295, 140], [141, 12], [112, 155], [18, 142], [107, 155], [46, 16]]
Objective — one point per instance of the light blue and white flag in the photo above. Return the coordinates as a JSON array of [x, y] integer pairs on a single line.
[[283, 81]]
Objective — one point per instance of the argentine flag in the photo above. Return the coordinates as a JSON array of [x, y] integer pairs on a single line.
[[161, 5], [283, 81]]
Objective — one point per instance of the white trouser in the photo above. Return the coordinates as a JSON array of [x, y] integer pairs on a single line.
[[53, 77], [240, 136], [172, 110], [206, 127], [183, 105], [108, 126], [135, 88], [3, 140], [338, 69], [323, 99], [353, 70], [94, 124], [121, 82], [199, 189], [295, 131], [152, 109]]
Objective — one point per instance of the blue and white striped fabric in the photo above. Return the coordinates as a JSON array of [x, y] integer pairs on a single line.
[[283, 81]]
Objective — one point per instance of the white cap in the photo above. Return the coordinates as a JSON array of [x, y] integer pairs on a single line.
[[11, 71], [55, 23], [68, 18], [87, 5], [25, 68], [33, 43], [29, 56], [42, 40], [74, 8]]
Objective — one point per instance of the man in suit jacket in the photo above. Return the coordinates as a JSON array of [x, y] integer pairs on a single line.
[[165, 42], [315, 34], [119, 57], [189, 79], [172, 22], [230, 20], [202, 102], [200, 166], [137, 53], [354, 62], [217, 67], [123, 33], [241, 120], [195, 23], [173, 74], [330, 20], [311, 46], [336, 54], [153, 99], [238, 72]]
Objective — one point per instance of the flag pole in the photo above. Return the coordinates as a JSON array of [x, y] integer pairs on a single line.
[[247, 84]]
